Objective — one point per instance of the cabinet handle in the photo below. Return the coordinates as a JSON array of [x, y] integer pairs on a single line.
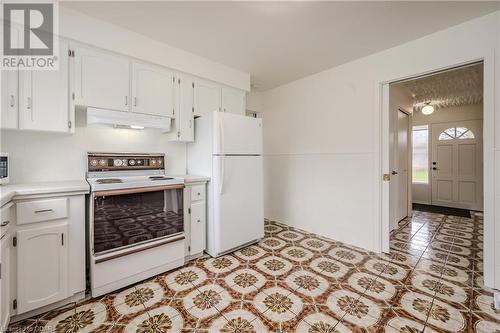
[[43, 211], [190, 123], [12, 101], [126, 100], [29, 103], [198, 221], [135, 101], [4, 223], [62, 239]]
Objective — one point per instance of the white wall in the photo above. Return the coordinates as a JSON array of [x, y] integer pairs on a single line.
[[422, 192], [322, 134], [86, 29], [39, 156]]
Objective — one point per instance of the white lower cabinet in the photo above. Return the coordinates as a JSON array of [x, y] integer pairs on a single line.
[[198, 213], [47, 253], [42, 266], [196, 219], [5, 282]]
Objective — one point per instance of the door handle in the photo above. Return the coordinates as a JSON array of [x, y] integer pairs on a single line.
[[394, 172], [43, 211]]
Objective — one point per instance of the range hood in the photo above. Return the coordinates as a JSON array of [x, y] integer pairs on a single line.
[[127, 119]]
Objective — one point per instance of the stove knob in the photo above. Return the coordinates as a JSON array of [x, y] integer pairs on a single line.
[[139, 162], [159, 162], [93, 163], [117, 163], [153, 162], [131, 162], [102, 162]]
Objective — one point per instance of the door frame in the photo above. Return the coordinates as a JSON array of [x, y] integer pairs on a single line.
[[491, 234]]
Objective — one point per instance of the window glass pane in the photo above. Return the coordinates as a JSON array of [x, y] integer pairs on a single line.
[[444, 136], [420, 167], [450, 132], [467, 135], [461, 130]]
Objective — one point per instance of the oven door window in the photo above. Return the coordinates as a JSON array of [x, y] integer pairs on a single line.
[[128, 219]]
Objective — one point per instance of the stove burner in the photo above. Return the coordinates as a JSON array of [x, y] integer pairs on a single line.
[[160, 178], [109, 181]]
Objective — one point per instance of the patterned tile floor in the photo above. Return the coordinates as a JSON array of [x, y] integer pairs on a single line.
[[294, 281]]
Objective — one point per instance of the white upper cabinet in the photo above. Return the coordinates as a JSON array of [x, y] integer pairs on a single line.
[[233, 100], [10, 95], [102, 79], [10, 100], [42, 266], [183, 99], [152, 90], [206, 97], [44, 96]]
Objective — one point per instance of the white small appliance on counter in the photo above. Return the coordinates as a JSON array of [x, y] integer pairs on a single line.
[[228, 149]]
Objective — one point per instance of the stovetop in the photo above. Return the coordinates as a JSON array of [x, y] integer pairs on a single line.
[[113, 171], [116, 182]]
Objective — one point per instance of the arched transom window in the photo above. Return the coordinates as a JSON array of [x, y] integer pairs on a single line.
[[456, 133]]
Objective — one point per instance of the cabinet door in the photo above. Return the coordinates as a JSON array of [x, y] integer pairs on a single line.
[[102, 79], [197, 227], [184, 105], [10, 93], [206, 97], [45, 96], [10, 99], [42, 266], [152, 90], [233, 101], [5, 283]]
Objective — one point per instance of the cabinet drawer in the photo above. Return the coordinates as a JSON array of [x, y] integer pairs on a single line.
[[4, 219], [197, 193], [41, 210]]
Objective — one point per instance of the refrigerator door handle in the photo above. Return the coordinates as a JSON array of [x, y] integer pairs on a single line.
[[221, 136], [223, 174]]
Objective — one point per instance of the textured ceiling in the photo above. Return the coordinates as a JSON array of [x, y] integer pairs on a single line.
[[461, 86]]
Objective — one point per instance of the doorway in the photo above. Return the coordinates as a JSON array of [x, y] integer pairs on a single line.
[[439, 140]]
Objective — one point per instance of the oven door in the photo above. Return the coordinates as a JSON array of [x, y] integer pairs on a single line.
[[125, 218]]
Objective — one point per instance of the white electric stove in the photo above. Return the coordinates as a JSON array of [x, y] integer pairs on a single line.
[[136, 219]]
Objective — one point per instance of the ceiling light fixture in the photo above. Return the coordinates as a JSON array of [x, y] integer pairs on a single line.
[[428, 109]]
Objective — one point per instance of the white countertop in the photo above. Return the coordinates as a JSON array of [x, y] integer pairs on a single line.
[[192, 178], [7, 192]]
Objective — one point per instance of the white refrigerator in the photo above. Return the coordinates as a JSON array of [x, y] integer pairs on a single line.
[[228, 149]]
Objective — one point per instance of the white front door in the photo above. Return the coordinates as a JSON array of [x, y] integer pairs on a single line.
[[457, 164], [402, 157]]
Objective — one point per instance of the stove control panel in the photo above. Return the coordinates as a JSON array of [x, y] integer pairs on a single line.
[[116, 162]]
